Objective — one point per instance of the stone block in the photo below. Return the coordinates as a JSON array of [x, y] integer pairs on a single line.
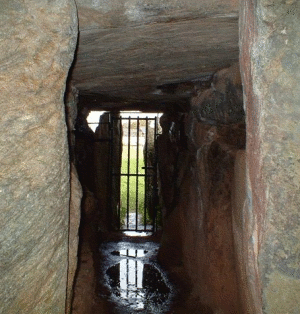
[[38, 40]]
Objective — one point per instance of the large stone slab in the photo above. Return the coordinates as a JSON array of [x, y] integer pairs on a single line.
[[37, 45], [196, 164], [142, 57], [128, 49], [120, 13], [270, 33]]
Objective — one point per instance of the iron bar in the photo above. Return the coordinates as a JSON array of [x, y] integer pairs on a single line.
[[136, 275], [132, 119], [146, 171], [127, 275], [128, 171], [119, 167], [155, 188], [137, 172]]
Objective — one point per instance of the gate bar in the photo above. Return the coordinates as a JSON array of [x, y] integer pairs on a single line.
[[137, 172], [120, 165], [146, 173], [128, 171], [155, 188]]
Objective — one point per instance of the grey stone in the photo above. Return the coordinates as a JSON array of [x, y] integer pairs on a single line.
[[197, 193], [37, 45], [75, 215], [152, 43], [271, 93]]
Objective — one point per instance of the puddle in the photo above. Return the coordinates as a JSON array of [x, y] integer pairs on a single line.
[[137, 233], [136, 282], [130, 253], [139, 285]]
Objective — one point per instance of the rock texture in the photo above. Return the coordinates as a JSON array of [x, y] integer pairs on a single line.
[[71, 105], [84, 151], [153, 43], [37, 45], [197, 170], [222, 103], [197, 237], [269, 58], [86, 279], [107, 187], [75, 214], [119, 13]]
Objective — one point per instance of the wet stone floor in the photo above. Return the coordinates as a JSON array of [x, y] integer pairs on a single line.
[[135, 281]]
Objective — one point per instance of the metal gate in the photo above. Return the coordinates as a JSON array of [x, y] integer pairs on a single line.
[[136, 174]]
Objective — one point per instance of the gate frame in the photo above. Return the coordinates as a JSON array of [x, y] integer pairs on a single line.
[[154, 168]]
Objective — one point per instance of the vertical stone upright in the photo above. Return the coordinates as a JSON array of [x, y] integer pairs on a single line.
[[37, 39], [71, 101], [108, 158], [269, 45], [151, 176]]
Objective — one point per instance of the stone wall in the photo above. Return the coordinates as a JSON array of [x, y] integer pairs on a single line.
[[107, 187], [74, 222], [38, 39], [197, 160], [71, 102], [269, 32]]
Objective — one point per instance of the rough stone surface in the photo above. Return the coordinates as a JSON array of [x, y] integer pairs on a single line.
[[71, 105], [75, 210], [107, 192], [222, 103], [269, 59], [198, 241], [149, 155], [84, 151], [241, 241], [120, 13], [37, 45], [86, 278], [153, 43]]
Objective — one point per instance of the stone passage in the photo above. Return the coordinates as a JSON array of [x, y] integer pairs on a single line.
[[228, 154]]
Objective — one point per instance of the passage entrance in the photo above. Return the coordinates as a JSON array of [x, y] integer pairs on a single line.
[[135, 172]]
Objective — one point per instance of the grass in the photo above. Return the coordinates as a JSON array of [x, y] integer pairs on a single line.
[[136, 186]]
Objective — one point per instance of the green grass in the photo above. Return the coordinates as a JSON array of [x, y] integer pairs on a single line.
[[134, 197]]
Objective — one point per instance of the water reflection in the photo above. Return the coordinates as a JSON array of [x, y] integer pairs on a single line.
[[138, 233], [130, 253], [138, 284]]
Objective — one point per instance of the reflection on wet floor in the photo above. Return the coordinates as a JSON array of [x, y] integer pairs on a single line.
[[130, 253], [137, 283], [137, 233]]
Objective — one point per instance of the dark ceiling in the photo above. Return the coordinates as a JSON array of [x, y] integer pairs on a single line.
[[138, 55]]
